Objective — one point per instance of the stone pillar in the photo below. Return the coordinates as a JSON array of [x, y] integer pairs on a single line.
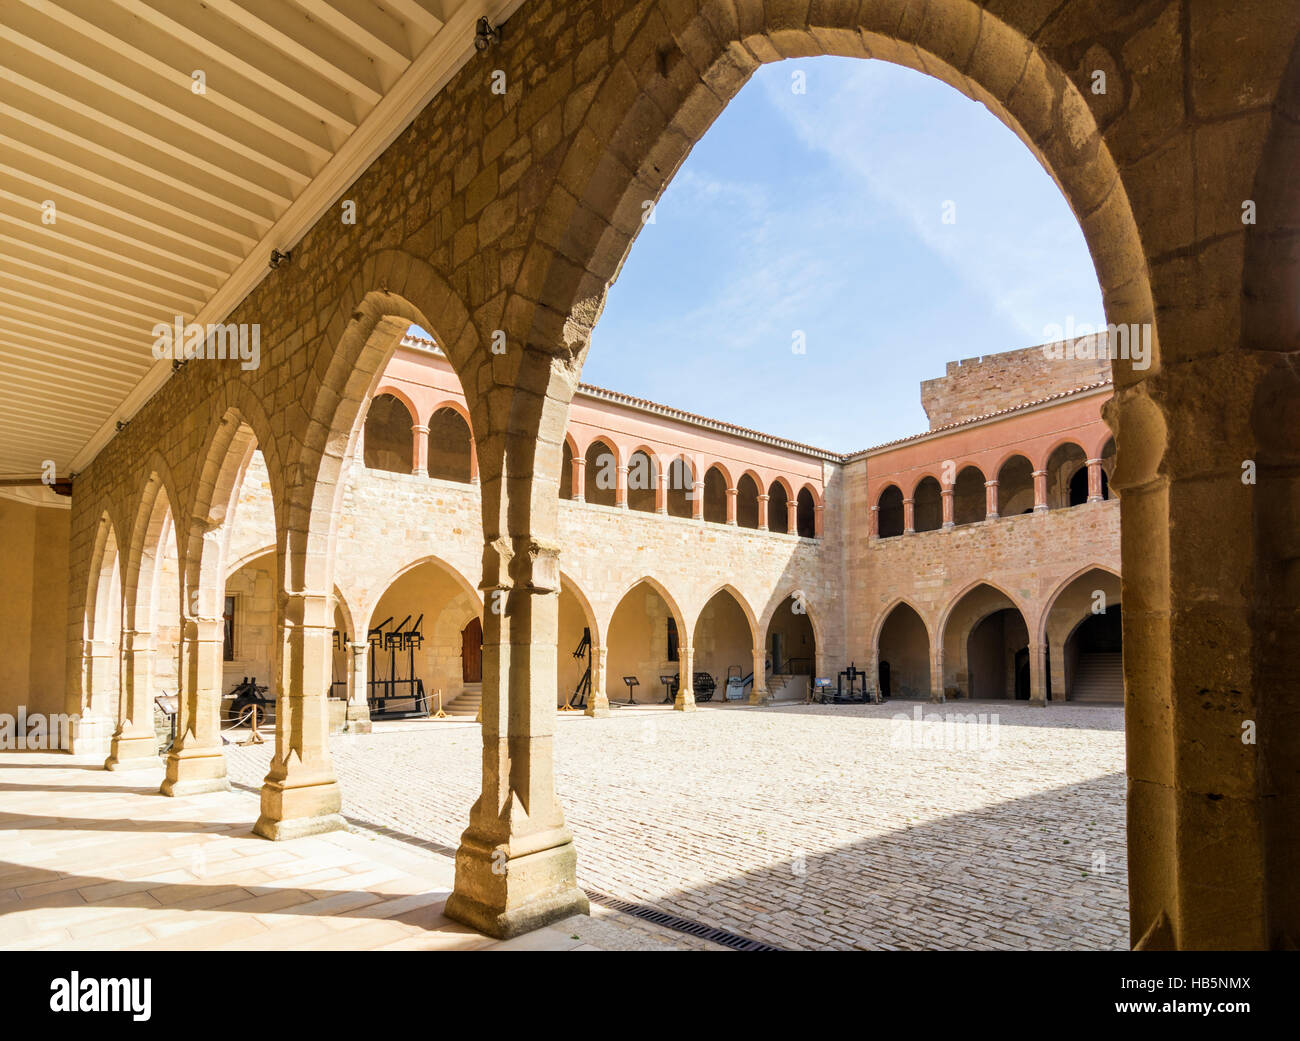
[[873, 532], [763, 500], [792, 516], [661, 494], [946, 494], [697, 503], [135, 743], [1056, 660], [93, 730], [1094, 480], [758, 693], [359, 696], [196, 762], [300, 795], [685, 700], [818, 511], [473, 461], [1037, 673], [731, 505], [909, 517], [620, 488], [579, 479], [1040, 491], [420, 450], [936, 675], [516, 865], [598, 699], [990, 500]]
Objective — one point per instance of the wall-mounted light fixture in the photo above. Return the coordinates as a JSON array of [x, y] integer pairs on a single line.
[[486, 34]]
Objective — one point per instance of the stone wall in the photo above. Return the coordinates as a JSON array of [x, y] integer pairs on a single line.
[[981, 386]]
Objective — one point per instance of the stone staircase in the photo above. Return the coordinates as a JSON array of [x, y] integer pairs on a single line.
[[466, 703], [1099, 678]]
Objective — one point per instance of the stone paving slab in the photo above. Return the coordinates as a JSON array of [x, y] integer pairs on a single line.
[[804, 826]]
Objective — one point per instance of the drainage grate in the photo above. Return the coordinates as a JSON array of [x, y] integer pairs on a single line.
[[680, 925]]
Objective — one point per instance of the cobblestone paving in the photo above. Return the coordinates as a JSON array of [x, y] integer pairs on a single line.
[[806, 826]]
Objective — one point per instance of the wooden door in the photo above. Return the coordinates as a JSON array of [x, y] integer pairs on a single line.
[[471, 652]]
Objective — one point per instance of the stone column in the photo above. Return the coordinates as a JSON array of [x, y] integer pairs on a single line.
[[909, 517], [598, 699], [516, 865], [1094, 480], [420, 450], [758, 693], [990, 500], [1040, 491], [300, 795], [135, 743], [579, 479], [946, 494], [697, 503], [763, 499], [818, 511], [1037, 673], [473, 461], [792, 516], [359, 696], [1056, 660], [936, 675], [731, 505], [873, 532], [620, 488], [196, 762], [93, 730], [685, 700], [661, 494]]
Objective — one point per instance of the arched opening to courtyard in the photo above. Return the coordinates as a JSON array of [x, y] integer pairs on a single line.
[[1067, 477], [388, 443], [903, 654], [1084, 638], [645, 642], [451, 447], [716, 495], [969, 498], [806, 513], [986, 651], [642, 482], [1015, 487], [778, 508], [927, 505], [600, 487], [724, 643], [680, 494], [578, 650], [790, 649], [890, 512], [747, 513], [424, 637]]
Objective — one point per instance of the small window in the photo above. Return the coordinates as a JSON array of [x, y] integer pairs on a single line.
[[672, 639], [228, 620]]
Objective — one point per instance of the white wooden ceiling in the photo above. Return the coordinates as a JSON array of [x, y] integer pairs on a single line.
[[168, 201]]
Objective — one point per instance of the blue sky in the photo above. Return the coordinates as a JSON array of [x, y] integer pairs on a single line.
[[823, 212]]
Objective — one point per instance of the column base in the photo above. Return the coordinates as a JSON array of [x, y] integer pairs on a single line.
[[760, 697], [296, 811], [195, 773], [526, 893], [132, 752], [684, 701], [597, 707], [358, 719], [91, 735]]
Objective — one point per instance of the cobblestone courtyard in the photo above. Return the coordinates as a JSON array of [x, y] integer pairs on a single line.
[[804, 826]]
